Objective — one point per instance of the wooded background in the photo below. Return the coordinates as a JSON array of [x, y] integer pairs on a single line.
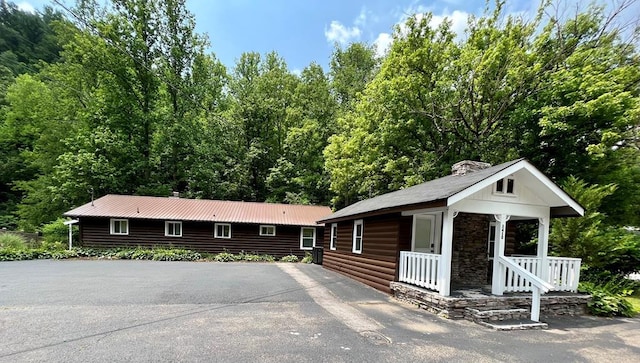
[[122, 97]]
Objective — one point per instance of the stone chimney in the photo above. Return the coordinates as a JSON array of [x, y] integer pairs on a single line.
[[468, 166]]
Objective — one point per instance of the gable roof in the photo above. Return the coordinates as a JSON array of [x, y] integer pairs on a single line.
[[449, 189], [203, 210]]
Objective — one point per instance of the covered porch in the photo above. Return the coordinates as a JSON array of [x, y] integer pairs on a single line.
[[446, 254]]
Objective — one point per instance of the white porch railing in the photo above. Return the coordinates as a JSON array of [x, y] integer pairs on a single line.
[[564, 273], [420, 269], [561, 272], [510, 270]]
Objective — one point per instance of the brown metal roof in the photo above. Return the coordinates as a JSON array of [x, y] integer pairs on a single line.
[[130, 206]]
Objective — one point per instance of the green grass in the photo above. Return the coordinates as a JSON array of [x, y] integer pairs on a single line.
[[635, 301]]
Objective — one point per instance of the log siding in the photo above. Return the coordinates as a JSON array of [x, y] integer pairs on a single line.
[[377, 264], [197, 236]]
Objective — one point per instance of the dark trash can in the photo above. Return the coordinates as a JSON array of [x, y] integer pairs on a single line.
[[316, 255]]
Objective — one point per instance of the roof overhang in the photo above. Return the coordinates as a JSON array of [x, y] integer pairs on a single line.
[[569, 207], [383, 211]]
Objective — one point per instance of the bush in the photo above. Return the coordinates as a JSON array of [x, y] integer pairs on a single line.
[[112, 253], [53, 246], [308, 258], [175, 255], [55, 231], [253, 257], [16, 254], [608, 298], [224, 257], [289, 258], [12, 241]]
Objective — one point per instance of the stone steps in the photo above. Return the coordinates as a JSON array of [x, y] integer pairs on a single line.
[[503, 318], [514, 324]]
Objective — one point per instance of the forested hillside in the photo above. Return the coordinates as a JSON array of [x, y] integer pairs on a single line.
[[126, 99]]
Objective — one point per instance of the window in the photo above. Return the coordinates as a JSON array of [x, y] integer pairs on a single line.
[[267, 230], [334, 236], [506, 185], [307, 238], [119, 226], [173, 229], [222, 230], [358, 230]]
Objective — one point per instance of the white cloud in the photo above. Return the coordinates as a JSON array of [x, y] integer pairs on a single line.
[[458, 21], [296, 71], [342, 34], [361, 20], [26, 7], [382, 44]]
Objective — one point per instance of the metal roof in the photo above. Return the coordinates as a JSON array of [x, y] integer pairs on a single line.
[[143, 207], [430, 191]]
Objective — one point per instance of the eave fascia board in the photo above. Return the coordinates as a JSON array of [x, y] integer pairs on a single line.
[[522, 164]]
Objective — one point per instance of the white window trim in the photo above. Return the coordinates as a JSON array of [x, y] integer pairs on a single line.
[[334, 237], [355, 228], [505, 182], [166, 228], [111, 229], [215, 230], [267, 226], [302, 237]]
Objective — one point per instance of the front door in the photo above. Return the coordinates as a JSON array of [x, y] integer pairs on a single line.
[[491, 243], [424, 233]]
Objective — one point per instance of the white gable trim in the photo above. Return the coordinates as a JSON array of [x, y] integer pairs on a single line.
[[522, 164]]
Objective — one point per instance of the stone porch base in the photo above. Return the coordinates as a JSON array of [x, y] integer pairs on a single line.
[[455, 306]]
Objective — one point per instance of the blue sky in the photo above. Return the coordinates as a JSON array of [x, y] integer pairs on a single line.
[[303, 31]]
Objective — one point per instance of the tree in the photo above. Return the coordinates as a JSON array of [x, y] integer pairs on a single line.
[[27, 39], [299, 175], [351, 70], [263, 92], [602, 248]]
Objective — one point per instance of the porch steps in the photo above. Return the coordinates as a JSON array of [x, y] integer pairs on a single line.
[[503, 318]]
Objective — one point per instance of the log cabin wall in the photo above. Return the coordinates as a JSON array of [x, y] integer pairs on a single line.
[[376, 266], [197, 236]]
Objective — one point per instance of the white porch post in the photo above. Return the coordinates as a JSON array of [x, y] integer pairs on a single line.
[[497, 281], [70, 224], [444, 280], [543, 247], [535, 304]]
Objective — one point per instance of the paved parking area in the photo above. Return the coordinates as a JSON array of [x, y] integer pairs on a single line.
[[106, 311]]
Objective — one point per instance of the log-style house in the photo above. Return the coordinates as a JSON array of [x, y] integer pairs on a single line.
[[454, 231], [202, 225]]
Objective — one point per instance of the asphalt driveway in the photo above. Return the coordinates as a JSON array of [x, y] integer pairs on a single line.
[[105, 311]]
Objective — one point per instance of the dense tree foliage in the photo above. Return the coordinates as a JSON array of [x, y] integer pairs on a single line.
[[121, 97], [27, 39], [562, 94]]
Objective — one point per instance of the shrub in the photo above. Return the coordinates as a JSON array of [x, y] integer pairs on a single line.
[[608, 298], [12, 241], [224, 257], [175, 255], [53, 246], [55, 231], [253, 257], [16, 254], [142, 254], [308, 258], [289, 258], [267, 258]]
